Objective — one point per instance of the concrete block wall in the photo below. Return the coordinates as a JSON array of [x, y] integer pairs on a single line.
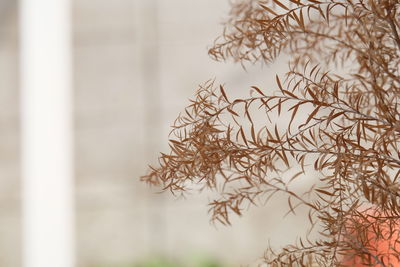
[[108, 127], [120, 219], [10, 215]]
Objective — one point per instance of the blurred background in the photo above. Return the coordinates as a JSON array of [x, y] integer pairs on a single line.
[[135, 65]]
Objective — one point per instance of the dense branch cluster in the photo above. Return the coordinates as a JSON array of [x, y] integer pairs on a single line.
[[344, 71]]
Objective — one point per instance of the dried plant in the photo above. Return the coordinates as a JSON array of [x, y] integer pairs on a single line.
[[343, 73]]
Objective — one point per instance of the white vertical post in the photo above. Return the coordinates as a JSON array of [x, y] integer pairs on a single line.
[[46, 130]]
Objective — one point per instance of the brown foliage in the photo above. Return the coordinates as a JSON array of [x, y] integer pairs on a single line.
[[351, 134]]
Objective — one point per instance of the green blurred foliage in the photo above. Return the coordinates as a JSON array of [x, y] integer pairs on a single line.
[[159, 261]]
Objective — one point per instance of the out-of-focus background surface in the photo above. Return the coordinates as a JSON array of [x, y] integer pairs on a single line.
[[136, 63], [10, 184]]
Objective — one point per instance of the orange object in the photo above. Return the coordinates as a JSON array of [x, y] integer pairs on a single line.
[[375, 240]]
